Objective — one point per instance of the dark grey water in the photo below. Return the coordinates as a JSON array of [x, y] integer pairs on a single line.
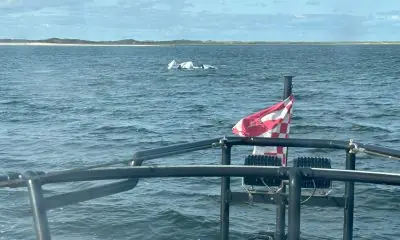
[[65, 107]]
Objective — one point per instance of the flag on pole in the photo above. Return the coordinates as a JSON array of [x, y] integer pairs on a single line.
[[273, 122]]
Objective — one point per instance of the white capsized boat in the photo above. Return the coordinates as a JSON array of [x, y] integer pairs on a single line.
[[188, 66]]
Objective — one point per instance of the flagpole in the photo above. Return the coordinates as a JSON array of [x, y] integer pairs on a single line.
[[287, 91], [287, 86], [281, 204]]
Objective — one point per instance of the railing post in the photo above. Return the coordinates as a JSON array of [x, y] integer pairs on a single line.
[[281, 204], [280, 214], [349, 198], [225, 191], [295, 179], [38, 210]]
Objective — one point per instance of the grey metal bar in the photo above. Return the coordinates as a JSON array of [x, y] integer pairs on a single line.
[[281, 200], [349, 199], [356, 176], [161, 171], [137, 158], [90, 193], [221, 171], [37, 204], [379, 150], [40, 218], [225, 192], [271, 198], [281, 214], [188, 147], [174, 149], [289, 142], [295, 179]]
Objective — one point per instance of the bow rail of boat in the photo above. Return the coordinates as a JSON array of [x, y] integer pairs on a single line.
[[291, 176], [307, 181]]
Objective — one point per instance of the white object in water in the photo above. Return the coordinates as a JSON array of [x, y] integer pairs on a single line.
[[173, 65], [188, 65], [206, 66]]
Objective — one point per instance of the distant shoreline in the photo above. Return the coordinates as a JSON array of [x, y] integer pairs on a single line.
[[74, 44], [135, 43]]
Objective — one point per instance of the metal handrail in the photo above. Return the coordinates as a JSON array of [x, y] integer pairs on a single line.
[[219, 171], [131, 175], [173, 150]]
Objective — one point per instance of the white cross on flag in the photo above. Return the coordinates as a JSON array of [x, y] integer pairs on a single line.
[[273, 122]]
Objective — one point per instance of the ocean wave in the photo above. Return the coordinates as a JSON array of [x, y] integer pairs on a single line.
[[125, 129]]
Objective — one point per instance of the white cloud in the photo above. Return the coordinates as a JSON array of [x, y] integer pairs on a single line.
[[258, 21]]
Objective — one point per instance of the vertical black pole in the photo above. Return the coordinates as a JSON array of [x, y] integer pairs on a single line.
[[281, 203], [349, 199], [287, 87], [287, 91], [38, 209], [225, 191], [281, 213], [295, 180]]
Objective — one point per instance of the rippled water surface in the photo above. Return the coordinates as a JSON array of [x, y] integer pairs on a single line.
[[66, 107]]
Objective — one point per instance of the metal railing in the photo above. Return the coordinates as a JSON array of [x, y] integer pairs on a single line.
[[129, 176]]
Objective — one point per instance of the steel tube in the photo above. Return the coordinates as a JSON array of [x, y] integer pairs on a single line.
[[201, 145], [295, 180], [349, 199], [380, 150], [161, 171], [281, 214], [90, 193], [225, 192], [281, 201], [38, 209], [220, 171], [288, 142], [271, 198], [356, 176], [174, 149]]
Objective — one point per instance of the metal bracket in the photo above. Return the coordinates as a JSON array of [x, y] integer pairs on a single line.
[[222, 143], [353, 147]]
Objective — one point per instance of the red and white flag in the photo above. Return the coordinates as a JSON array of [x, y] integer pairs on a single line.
[[273, 122]]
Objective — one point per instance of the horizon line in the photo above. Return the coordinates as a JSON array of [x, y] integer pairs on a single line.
[[52, 39]]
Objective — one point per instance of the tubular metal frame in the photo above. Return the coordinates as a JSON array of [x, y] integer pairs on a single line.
[[129, 176]]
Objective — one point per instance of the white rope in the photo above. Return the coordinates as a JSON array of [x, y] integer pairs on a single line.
[[354, 148], [315, 188]]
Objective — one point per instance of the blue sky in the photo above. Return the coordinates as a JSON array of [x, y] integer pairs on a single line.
[[246, 20]]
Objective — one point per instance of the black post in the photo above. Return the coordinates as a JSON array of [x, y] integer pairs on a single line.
[[295, 180], [281, 204], [38, 210], [287, 87], [225, 191], [281, 213], [287, 91], [349, 199]]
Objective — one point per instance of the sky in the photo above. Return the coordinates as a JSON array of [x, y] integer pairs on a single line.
[[235, 20]]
